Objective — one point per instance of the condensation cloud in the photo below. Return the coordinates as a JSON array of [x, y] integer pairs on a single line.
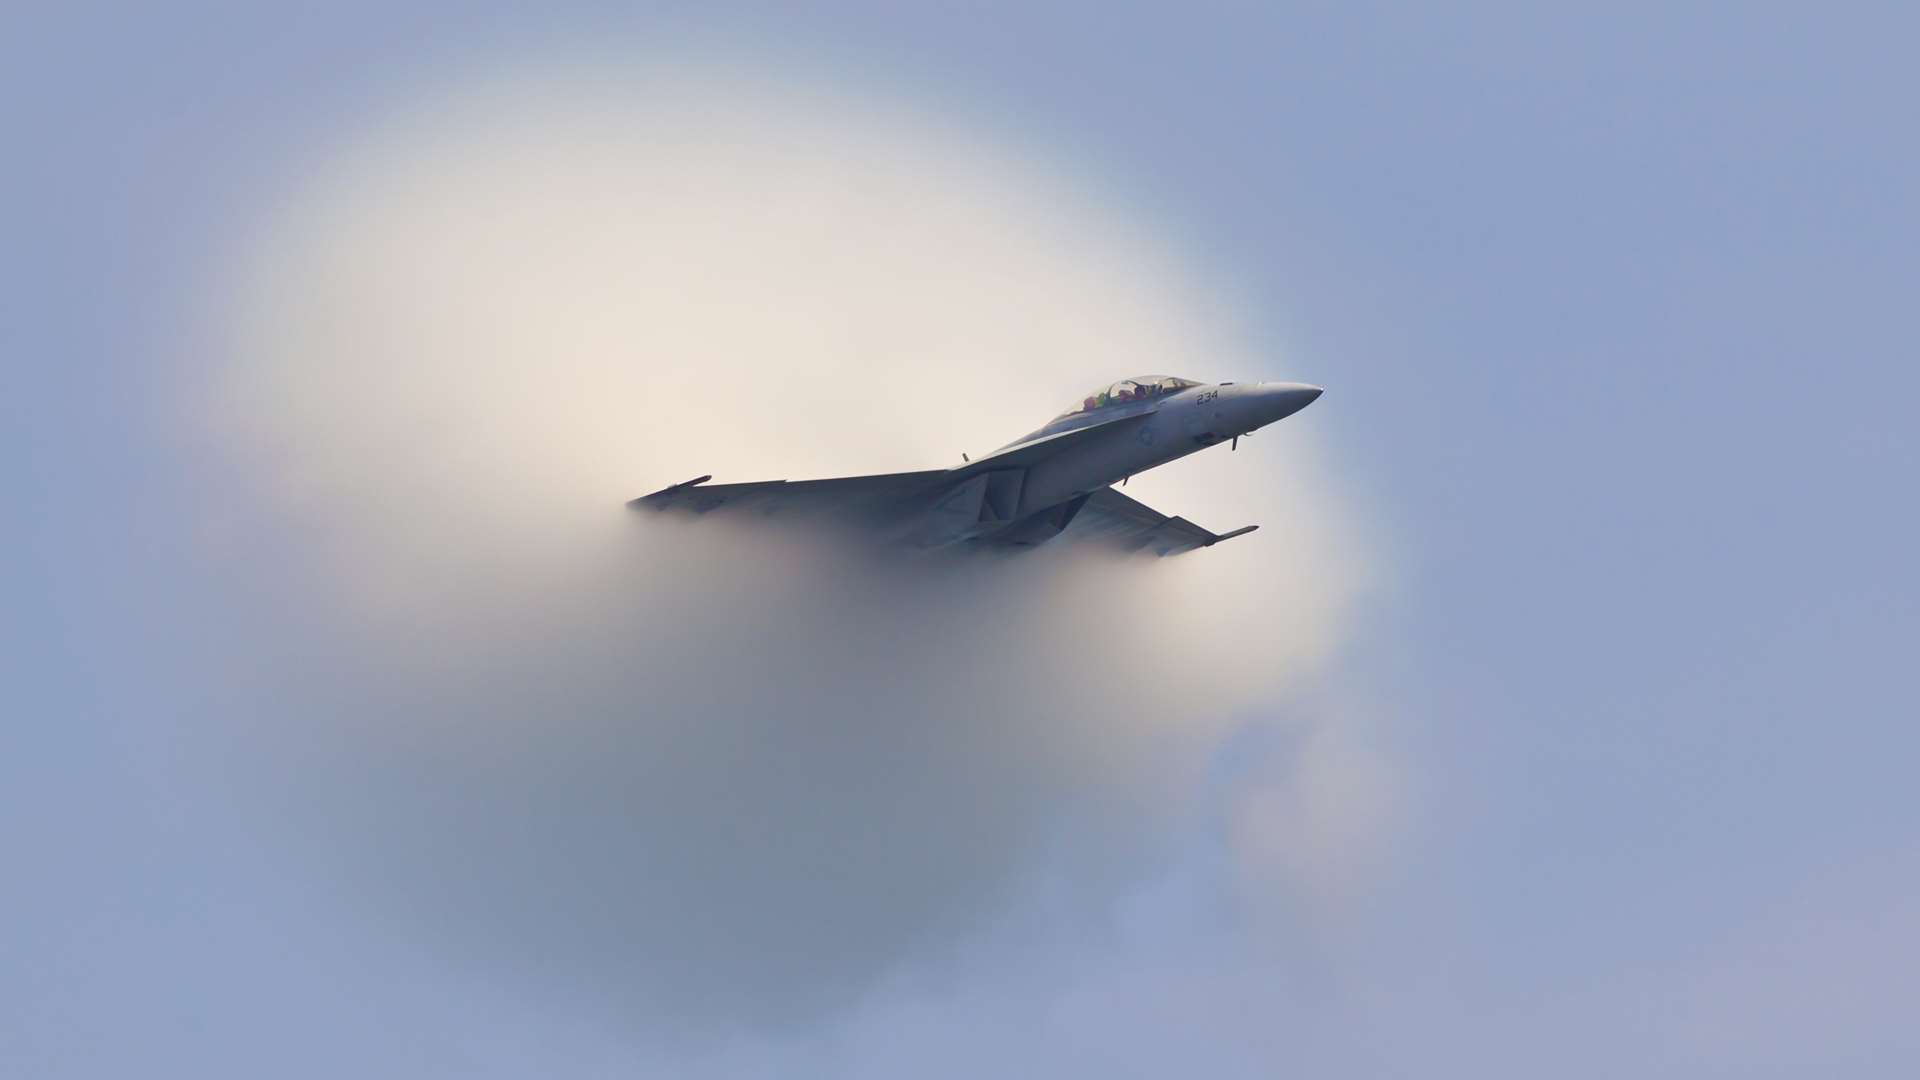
[[693, 774]]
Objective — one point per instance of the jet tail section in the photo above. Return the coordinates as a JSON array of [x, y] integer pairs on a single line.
[[1038, 528], [977, 505]]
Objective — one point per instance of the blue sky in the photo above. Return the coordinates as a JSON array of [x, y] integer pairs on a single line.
[[1613, 307]]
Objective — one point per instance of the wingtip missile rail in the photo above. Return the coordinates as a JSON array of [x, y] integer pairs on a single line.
[[661, 495]]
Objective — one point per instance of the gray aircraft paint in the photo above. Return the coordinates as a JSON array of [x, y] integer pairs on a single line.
[[1056, 481]]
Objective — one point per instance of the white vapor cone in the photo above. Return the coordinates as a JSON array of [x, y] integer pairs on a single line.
[[699, 773]]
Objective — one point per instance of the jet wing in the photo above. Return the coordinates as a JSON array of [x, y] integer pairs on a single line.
[[1114, 519], [1030, 451], [853, 494], [861, 492]]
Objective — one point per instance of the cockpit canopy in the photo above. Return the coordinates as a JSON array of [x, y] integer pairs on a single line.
[[1127, 391]]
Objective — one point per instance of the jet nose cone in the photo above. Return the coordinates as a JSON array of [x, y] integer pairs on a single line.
[[1284, 399]]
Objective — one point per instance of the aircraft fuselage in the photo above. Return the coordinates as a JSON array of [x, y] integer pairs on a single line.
[[1151, 433], [1031, 490]]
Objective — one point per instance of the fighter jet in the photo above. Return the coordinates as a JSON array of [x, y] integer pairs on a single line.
[[1057, 481]]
